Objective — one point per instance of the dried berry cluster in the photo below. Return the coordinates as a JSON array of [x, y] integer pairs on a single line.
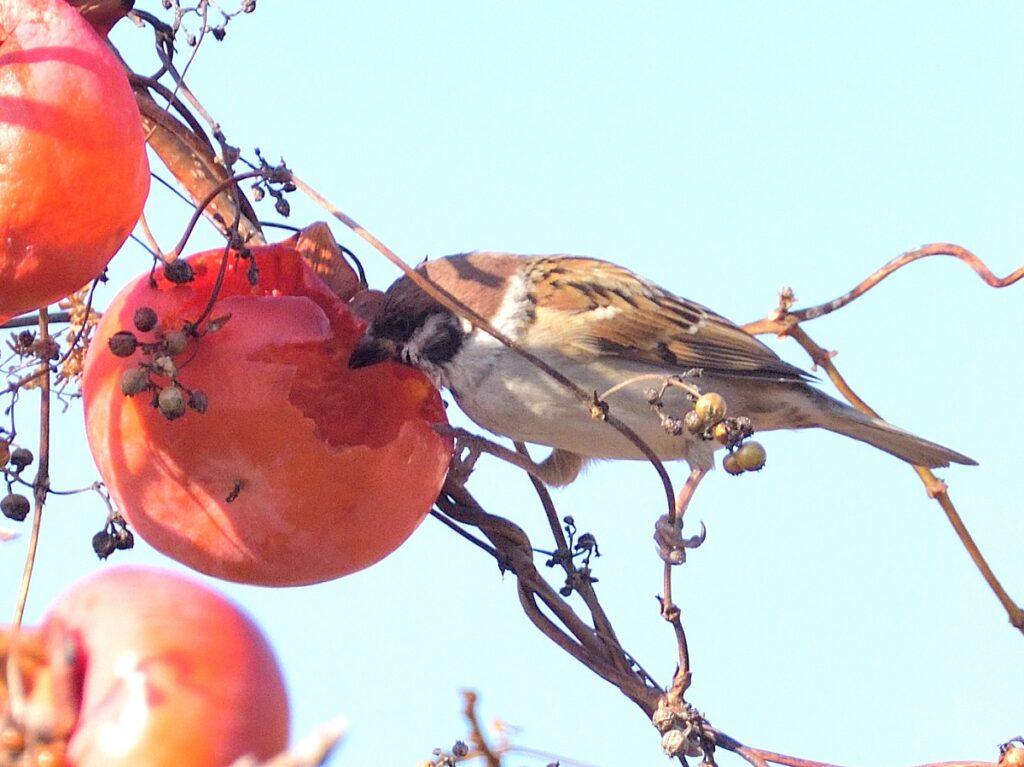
[[14, 460], [158, 372], [707, 420]]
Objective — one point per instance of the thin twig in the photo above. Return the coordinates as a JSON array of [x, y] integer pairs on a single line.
[[147, 233], [597, 651], [771, 324], [785, 322], [762, 757], [31, 320], [218, 283], [447, 522], [936, 487], [172, 101], [312, 751], [476, 732], [582, 585], [42, 481], [204, 203]]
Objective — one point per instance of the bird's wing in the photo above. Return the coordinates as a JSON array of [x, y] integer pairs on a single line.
[[609, 311]]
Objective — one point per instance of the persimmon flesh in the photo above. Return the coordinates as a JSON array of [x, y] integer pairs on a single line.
[[73, 169], [299, 470]]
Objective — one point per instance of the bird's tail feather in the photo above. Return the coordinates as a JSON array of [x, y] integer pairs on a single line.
[[843, 419]]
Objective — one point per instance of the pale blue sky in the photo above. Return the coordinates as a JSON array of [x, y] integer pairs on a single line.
[[725, 150]]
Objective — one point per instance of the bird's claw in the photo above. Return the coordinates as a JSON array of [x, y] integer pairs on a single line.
[[672, 546], [465, 451]]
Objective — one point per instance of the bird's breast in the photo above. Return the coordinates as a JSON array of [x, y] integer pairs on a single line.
[[508, 395]]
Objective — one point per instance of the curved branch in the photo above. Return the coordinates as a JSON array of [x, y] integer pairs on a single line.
[[782, 318]]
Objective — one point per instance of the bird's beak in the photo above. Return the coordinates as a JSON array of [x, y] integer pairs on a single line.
[[371, 351]]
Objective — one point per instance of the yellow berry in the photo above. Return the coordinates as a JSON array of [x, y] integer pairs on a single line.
[[720, 433], [693, 423], [710, 408], [731, 465], [750, 456]]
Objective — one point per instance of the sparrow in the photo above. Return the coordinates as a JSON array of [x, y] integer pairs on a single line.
[[605, 328]]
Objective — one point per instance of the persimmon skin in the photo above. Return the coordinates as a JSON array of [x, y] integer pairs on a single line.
[[171, 673], [300, 470], [73, 167]]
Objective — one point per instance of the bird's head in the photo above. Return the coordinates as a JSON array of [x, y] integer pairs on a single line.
[[411, 328]]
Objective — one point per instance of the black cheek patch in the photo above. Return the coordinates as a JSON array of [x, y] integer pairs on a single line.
[[444, 346]]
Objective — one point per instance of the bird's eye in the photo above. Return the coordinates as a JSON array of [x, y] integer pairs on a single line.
[[401, 328]]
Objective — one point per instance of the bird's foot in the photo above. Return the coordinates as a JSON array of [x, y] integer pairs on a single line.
[[668, 537], [560, 468]]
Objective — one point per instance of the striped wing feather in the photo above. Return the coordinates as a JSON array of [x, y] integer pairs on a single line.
[[610, 311]]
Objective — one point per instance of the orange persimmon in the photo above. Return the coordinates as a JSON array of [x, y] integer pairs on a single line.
[[142, 668], [245, 447], [73, 168]]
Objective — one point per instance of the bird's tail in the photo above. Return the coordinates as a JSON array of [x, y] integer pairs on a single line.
[[843, 419]]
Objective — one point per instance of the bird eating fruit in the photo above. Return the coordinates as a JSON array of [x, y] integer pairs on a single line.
[[600, 325]]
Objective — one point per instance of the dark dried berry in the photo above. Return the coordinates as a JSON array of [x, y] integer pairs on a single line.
[[103, 544], [198, 401], [123, 343], [24, 341], [673, 426], [171, 402], [693, 422], [179, 272], [145, 319], [21, 457], [176, 341], [283, 207], [15, 506], [134, 381], [123, 539]]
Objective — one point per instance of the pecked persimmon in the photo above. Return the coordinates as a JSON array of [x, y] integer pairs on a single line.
[[73, 168], [246, 448], [136, 667]]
